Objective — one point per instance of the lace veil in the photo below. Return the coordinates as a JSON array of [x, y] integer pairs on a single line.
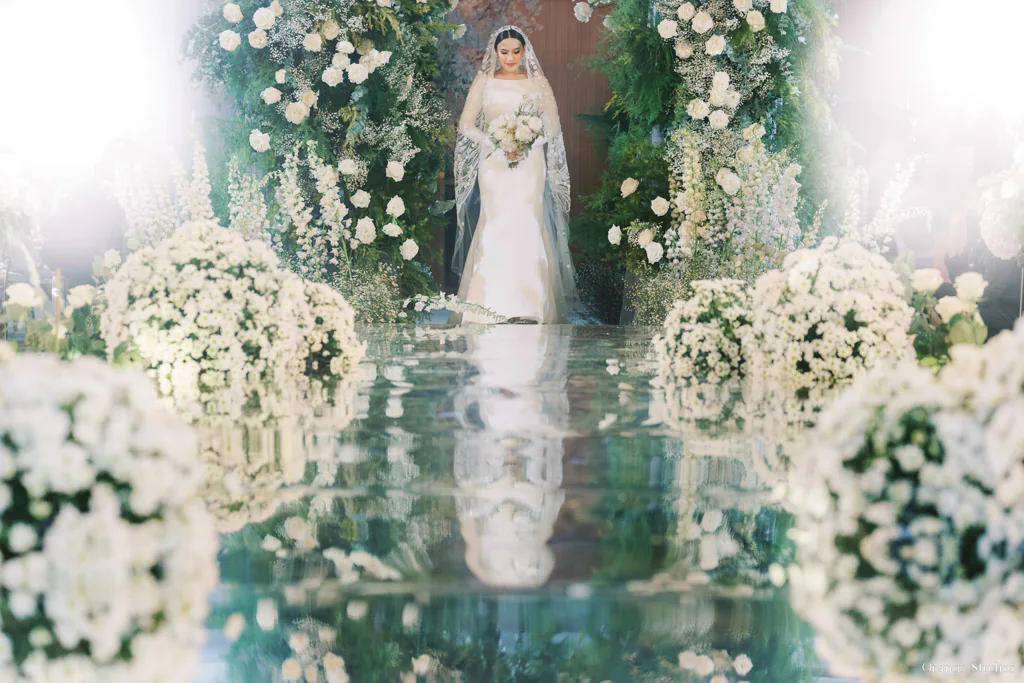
[[469, 152]]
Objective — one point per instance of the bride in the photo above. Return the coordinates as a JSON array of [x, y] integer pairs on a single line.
[[511, 247]]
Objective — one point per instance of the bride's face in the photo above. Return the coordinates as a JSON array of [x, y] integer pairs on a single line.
[[510, 55]]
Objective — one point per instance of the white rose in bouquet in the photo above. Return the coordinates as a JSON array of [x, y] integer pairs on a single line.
[[629, 186], [719, 120], [281, 76], [743, 6], [684, 50], [229, 40], [409, 249], [615, 235], [654, 252], [366, 231], [779, 6], [728, 181], [392, 230], [926, 280], [271, 95], [233, 13], [660, 206], [346, 48], [686, 11], [536, 124], [698, 109], [258, 39], [296, 112], [330, 29], [259, 141], [110, 555], [644, 237], [970, 287], [668, 28], [756, 21], [523, 133], [715, 46], [264, 18], [395, 171], [702, 22], [313, 42], [357, 73], [361, 199], [583, 11], [333, 76], [396, 207], [348, 167]]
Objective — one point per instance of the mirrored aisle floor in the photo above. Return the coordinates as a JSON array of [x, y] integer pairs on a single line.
[[504, 505]]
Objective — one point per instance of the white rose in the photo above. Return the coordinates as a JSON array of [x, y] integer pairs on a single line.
[[615, 235], [409, 249], [357, 73], [668, 28], [333, 76], [395, 171], [25, 295], [233, 13], [756, 21], [970, 287], [754, 132], [686, 11], [728, 181], [717, 98], [523, 133], [281, 76], [258, 39], [392, 230], [331, 30], [341, 61], [313, 42], [309, 98], [732, 98], [702, 23], [366, 231], [229, 40], [719, 120], [346, 48], [535, 123], [583, 11], [276, 8], [629, 186], [264, 18], [715, 46], [82, 295], [361, 199], [660, 206], [743, 6], [950, 306], [720, 81], [271, 95], [654, 252], [684, 50], [644, 238], [698, 109], [259, 141], [396, 207], [746, 155], [111, 259], [742, 665], [779, 6], [296, 112], [926, 280], [348, 167]]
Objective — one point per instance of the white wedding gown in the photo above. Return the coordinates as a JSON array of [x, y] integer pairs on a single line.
[[510, 269]]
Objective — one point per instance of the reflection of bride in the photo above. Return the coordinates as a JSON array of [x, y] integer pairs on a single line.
[[508, 455], [512, 247]]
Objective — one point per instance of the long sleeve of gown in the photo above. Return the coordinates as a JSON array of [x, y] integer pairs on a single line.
[[471, 112]]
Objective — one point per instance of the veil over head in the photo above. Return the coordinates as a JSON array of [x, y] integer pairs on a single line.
[[468, 155]]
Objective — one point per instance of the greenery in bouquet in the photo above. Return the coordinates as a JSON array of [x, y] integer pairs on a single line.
[[354, 82], [106, 554], [901, 556], [940, 324], [830, 314], [1002, 216]]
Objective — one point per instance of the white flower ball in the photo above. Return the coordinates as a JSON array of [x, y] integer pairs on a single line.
[[271, 95], [361, 199], [313, 42], [660, 206], [702, 22], [409, 249], [264, 18], [259, 141], [583, 11], [756, 21], [395, 171], [686, 11], [629, 186], [615, 235], [396, 207], [296, 112], [719, 120], [229, 40], [258, 39], [233, 13], [357, 73], [668, 28]]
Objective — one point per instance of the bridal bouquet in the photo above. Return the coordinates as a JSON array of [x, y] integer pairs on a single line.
[[517, 133], [108, 555]]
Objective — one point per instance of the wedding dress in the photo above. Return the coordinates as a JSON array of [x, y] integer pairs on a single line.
[[512, 246]]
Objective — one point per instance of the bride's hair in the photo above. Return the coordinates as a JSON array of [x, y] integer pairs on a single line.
[[509, 33]]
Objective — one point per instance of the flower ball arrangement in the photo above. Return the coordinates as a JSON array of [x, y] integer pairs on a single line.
[[901, 559], [830, 314], [106, 555]]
